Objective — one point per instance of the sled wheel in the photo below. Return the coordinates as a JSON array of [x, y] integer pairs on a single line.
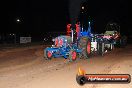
[[101, 48]]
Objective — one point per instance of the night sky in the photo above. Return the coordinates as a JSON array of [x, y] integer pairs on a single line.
[[38, 16]]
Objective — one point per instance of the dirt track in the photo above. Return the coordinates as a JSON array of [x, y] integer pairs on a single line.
[[26, 68]]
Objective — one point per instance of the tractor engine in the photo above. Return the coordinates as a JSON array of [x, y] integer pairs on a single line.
[[62, 41]]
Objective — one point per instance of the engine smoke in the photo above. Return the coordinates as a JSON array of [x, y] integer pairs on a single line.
[[74, 10]]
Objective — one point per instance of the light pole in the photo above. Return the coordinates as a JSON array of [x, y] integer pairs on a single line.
[[13, 35], [14, 38], [18, 21]]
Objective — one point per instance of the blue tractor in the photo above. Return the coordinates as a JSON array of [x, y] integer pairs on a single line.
[[63, 47]]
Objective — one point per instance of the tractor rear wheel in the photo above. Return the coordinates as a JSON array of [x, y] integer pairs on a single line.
[[84, 43]]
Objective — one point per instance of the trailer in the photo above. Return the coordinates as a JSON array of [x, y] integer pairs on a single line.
[[113, 30]]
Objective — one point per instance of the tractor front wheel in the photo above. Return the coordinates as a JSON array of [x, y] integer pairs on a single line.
[[72, 55], [47, 55]]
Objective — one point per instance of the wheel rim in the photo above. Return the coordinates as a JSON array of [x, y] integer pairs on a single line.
[[74, 54], [61, 42], [56, 42], [88, 47], [49, 54]]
